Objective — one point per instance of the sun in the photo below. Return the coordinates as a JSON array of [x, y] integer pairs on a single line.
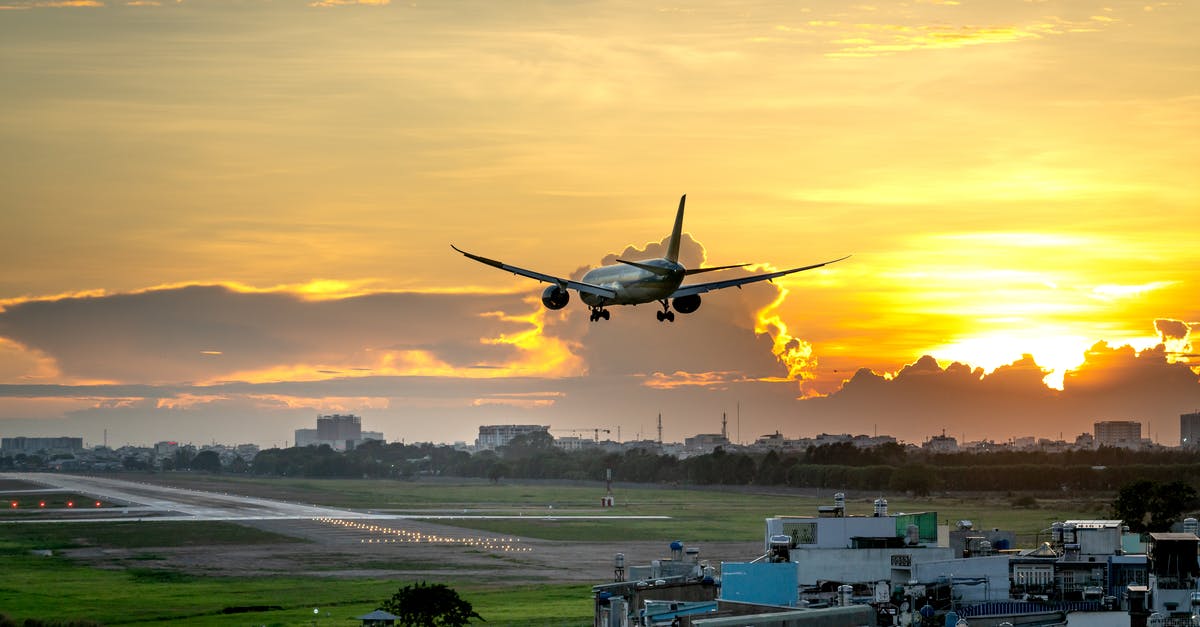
[[1053, 349]]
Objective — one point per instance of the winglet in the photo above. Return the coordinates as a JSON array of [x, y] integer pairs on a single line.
[[676, 233]]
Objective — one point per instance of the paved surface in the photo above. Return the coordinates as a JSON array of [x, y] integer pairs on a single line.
[[144, 499], [159, 501], [340, 542]]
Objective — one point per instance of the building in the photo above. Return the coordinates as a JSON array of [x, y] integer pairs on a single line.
[[1119, 433], [30, 446], [1189, 430], [165, 449], [492, 437], [856, 549], [941, 444], [339, 428], [705, 442], [341, 432]]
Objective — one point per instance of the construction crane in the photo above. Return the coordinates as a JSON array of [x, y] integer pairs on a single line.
[[596, 431]]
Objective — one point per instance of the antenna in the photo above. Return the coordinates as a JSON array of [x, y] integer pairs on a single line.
[[724, 431]]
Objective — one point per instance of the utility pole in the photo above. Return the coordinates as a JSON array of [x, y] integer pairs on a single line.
[[660, 427]]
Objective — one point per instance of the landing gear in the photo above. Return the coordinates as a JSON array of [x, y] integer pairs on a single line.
[[600, 313], [666, 313]]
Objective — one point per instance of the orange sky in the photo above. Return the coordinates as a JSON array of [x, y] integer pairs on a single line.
[[1012, 178]]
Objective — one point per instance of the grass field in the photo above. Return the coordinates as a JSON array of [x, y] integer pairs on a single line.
[[54, 588], [17, 538], [696, 515], [59, 588]]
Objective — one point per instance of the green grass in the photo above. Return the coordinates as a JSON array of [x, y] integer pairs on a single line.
[[57, 588], [25, 504], [696, 515], [16, 537], [54, 588]]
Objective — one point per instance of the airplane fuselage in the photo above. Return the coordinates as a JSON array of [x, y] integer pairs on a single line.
[[632, 282], [634, 285]]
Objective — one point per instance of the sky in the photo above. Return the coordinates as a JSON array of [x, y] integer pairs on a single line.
[[222, 218]]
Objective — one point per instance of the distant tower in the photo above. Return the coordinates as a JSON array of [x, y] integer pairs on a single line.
[[660, 427], [724, 423]]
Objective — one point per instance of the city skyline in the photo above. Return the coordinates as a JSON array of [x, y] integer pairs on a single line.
[[223, 219]]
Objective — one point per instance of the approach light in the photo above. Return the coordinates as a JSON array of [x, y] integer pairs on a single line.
[[97, 503], [41, 504], [70, 503], [14, 503]]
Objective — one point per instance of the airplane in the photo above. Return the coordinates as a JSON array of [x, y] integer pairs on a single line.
[[638, 282]]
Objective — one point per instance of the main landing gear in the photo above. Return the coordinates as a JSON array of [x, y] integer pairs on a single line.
[[666, 313], [600, 312]]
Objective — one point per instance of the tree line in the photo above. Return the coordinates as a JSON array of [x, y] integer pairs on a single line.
[[889, 467]]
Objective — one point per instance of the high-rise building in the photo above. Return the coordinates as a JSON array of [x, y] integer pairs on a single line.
[[341, 432], [1189, 430], [492, 437], [1120, 433], [339, 427]]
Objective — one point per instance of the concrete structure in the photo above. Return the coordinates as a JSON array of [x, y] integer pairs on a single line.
[[972, 580], [833, 547], [339, 427], [30, 446], [705, 442], [341, 432], [1174, 576], [492, 437], [1189, 430], [941, 444], [1119, 433]]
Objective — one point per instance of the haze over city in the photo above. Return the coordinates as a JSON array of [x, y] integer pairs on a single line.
[[222, 219]]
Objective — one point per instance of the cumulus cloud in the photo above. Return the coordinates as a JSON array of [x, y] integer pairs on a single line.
[[421, 362], [210, 332], [719, 337], [1172, 329], [1113, 383]]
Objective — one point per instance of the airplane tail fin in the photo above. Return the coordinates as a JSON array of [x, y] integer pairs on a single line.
[[676, 233]]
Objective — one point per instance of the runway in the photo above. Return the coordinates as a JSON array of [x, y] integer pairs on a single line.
[[134, 500]]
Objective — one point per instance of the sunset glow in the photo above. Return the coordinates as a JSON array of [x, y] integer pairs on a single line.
[[222, 218]]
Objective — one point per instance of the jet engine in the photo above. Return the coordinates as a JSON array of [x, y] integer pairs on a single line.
[[687, 304], [555, 297]]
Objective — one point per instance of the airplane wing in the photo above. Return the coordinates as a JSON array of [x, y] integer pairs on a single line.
[[545, 278], [700, 288]]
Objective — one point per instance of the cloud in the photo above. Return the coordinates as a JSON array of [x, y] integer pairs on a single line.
[[212, 332], [51, 4], [340, 3], [1113, 383], [724, 335], [177, 352], [1172, 329]]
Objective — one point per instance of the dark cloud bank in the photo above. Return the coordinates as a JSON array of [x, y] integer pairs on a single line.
[[159, 343]]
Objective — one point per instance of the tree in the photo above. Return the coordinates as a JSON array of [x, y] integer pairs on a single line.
[[207, 461], [916, 478], [1151, 506], [423, 605]]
